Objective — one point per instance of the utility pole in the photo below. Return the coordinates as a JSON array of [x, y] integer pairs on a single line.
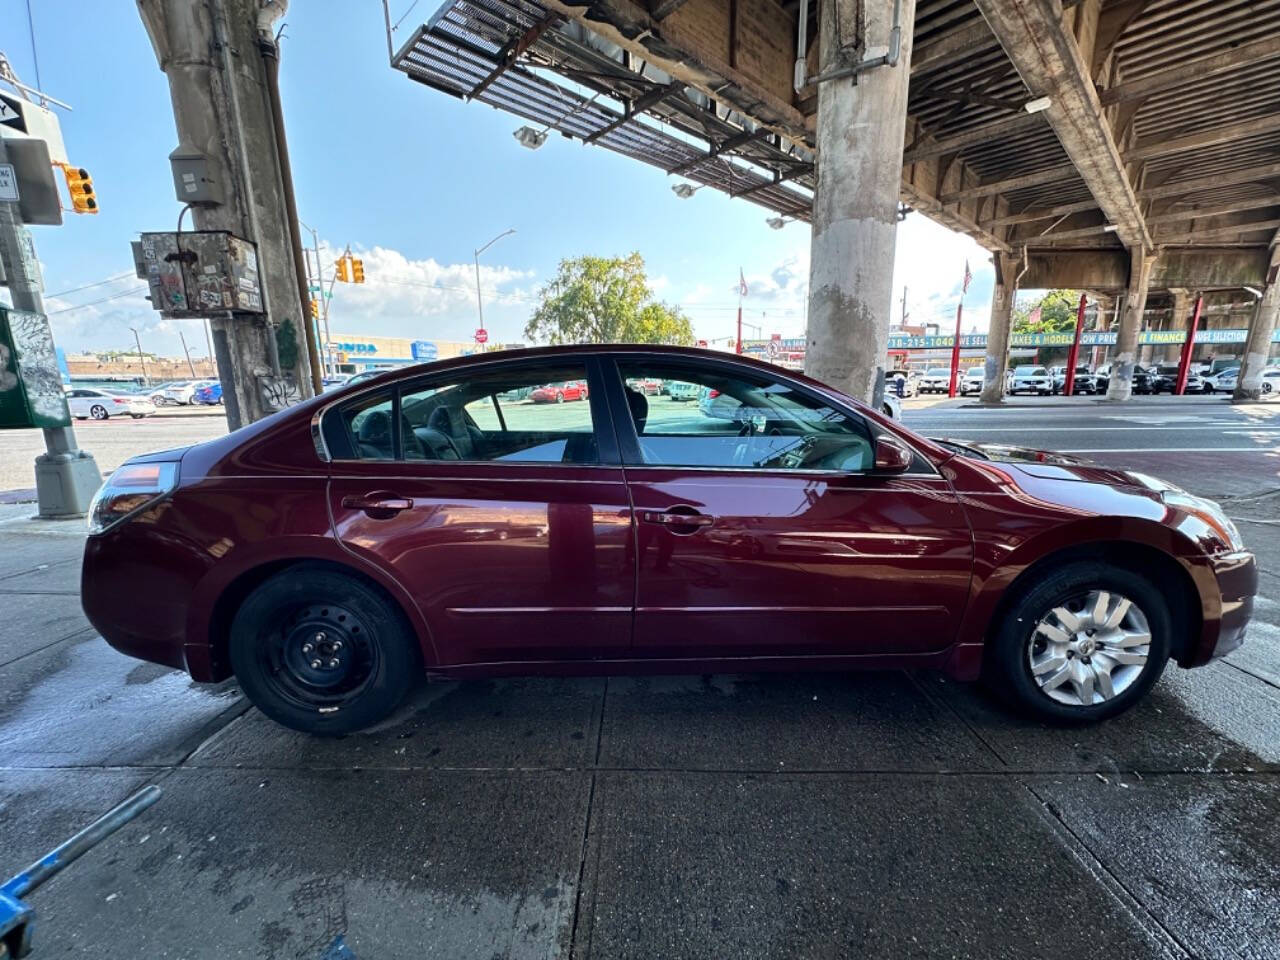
[[146, 381], [480, 250], [66, 476], [326, 358], [208, 344], [190, 366], [215, 57], [904, 305]]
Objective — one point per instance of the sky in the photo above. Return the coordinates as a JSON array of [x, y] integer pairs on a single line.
[[413, 180]]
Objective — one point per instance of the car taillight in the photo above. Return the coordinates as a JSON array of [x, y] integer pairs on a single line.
[[130, 489], [713, 394], [118, 400]]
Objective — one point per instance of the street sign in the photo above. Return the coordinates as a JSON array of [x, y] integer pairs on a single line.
[[702, 343], [8, 182], [31, 393], [424, 350], [482, 335], [11, 113]]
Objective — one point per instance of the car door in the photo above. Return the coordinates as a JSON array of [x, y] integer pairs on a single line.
[[507, 521], [762, 529]]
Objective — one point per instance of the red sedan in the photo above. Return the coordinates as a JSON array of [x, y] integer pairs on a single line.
[[330, 555], [559, 392]]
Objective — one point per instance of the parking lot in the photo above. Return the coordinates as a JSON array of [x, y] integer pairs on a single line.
[[792, 815]]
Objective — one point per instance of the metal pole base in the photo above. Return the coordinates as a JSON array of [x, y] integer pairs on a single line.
[[65, 483]]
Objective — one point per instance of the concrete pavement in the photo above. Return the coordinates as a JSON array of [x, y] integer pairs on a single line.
[[794, 815]]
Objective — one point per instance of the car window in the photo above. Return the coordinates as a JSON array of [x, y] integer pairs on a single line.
[[741, 421], [368, 427], [536, 414]]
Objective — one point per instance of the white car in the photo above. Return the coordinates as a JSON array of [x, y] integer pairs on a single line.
[[973, 381], [104, 404], [183, 391], [935, 380], [1271, 381], [892, 407], [899, 383], [1224, 381], [1030, 379]]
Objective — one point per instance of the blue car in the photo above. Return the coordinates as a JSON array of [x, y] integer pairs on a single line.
[[210, 394]]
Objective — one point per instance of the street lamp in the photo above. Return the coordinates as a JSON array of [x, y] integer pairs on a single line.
[[146, 381], [777, 223], [480, 250], [686, 190], [531, 138]]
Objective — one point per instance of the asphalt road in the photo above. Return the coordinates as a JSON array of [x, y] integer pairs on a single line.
[[869, 815]]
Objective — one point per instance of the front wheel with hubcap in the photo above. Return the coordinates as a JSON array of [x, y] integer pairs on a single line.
[[322, 652], [1085, 642]]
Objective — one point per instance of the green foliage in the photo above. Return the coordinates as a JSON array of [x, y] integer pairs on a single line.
[[605, 300], [1057, 313], [287, 346]]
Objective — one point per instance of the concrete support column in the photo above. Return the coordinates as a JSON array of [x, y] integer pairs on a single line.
[[218, 84], [860, 128], [1258, 347], [1135, 304], [1180, 319], [1001, 326]]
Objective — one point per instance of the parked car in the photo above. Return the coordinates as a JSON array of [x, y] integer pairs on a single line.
[[935, 380], [1271, 381], [157, 394], [85, 403], [1031, 379], [891, 407], [560, 392], [973, 380], [1143, 379], [517, 394], [1224, 381], [210, 394], [900, 383], [411, 525], [681, 392], [183, 392], [1083, 382]]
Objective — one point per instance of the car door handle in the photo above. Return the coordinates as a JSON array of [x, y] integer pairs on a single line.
[[378, 507], [673, 519]]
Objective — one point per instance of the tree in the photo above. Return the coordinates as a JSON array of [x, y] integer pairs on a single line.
[[605, 300], [1057, 313]]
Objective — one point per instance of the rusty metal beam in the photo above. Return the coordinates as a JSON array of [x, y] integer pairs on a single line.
[[1183, 187], [1043, 213], [1200, 213], [1192, 70], [724, 146], [637, 106], [510, 53], [1037, 179], [1213, 233], [952, 47], [778, 178], [984, 133], [666, 8], [1049, 61], [1146, 149]]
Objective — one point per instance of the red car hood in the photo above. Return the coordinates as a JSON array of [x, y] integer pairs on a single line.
[[1052, 466]]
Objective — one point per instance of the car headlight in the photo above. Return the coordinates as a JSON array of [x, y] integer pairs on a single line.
[[130, 489], [1207, 512]]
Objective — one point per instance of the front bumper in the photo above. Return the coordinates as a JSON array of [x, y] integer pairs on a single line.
[[1237, 576]]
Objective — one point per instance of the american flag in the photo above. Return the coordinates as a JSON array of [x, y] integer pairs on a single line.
[[968, 276], [1034, 316], [742, 283]]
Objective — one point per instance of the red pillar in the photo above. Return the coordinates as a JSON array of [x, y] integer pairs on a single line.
[[955, 352], [1184, 362], [1074, 353], [739, 340]]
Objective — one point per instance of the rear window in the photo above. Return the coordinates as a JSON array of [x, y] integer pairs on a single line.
[[1029, 371]]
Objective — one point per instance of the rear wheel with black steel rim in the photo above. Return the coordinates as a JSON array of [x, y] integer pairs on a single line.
[[1082, 643], [322, 652]]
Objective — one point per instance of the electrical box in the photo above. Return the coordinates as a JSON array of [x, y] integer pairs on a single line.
[[31, 392], [199, 274], [195, 177]]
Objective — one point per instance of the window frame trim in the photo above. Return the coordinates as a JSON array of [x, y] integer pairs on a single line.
[[629, 444], [602, 420]]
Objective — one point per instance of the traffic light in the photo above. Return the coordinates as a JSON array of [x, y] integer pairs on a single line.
[[357, 270], [343, 273], [80, 187], [315, 308]]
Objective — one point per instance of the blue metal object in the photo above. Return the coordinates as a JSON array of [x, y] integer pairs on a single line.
[[16, 918]]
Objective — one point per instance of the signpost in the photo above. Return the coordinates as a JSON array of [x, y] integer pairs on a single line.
[[1184, 361], [1074, 353], [482, 336]]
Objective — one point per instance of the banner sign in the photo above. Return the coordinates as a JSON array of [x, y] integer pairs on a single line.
[[1090, 338]]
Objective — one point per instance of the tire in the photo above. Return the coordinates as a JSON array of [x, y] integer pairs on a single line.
[[98, 412], [1017, 640], [137, 416], [364, 678], [1266, 386], [559, 397]]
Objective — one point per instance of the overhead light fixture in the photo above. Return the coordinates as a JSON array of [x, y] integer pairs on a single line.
[[686, 190], [777, 223], [1037, 105], [531, 138], [1255, 291], [1109, 228]]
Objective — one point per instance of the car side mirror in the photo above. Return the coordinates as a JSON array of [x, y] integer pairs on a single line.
[[892, 455]]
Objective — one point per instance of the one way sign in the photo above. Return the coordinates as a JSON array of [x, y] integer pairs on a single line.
[[11, 115]]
